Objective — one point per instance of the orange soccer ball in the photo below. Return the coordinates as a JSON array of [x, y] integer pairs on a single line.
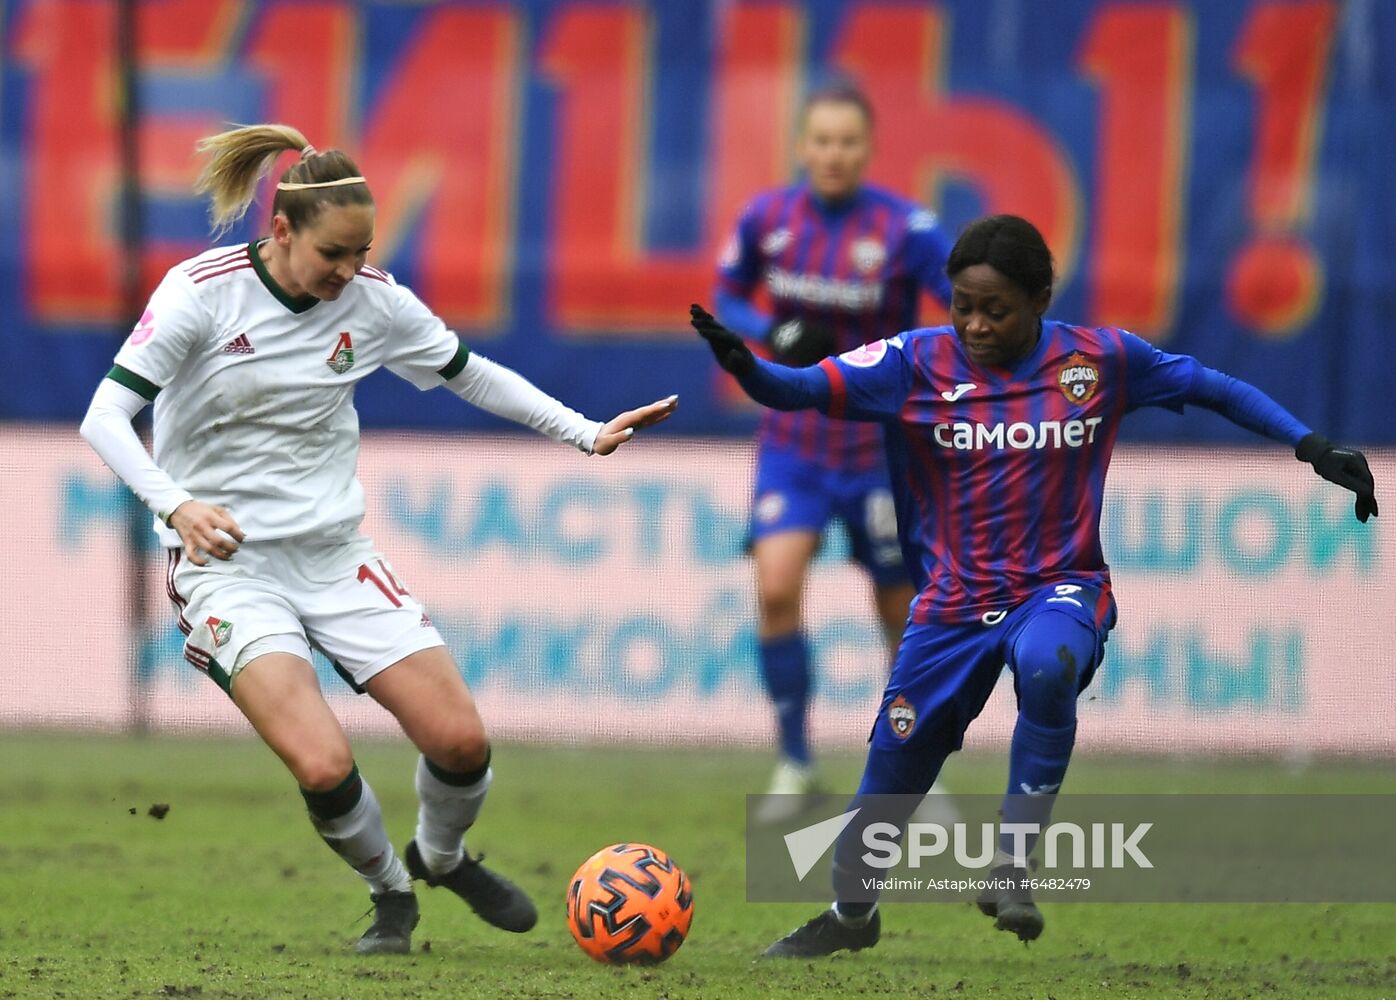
[[629, 903]]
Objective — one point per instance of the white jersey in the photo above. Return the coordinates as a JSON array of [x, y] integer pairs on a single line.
[[254, 389]]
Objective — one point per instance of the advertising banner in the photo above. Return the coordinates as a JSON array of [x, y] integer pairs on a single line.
[[610, 599]]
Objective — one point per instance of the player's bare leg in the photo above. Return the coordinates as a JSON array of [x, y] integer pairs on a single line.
[[279, 695], [893, 601], [782, 566], [425, 693]]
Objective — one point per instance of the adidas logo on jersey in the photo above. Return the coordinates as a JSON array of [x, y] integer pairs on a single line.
[[239, 345]]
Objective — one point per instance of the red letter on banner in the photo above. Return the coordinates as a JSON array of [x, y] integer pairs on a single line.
[[1275, 283], [924, 135], [438, 149], [73, 248], [601, 275], [1142, 57], [307, 55]]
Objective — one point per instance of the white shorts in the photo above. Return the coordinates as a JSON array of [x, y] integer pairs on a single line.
[[342, 598]]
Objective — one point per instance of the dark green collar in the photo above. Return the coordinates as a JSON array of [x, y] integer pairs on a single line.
[[295, 303]]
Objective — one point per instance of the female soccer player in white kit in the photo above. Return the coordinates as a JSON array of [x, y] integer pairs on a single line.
[[250, 354]]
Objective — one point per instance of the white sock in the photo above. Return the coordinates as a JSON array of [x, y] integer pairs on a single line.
[[849, 921], [1002, 857], [358, 836], [445, 812]]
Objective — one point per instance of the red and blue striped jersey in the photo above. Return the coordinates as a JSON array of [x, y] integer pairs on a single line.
[[999, 475], [855, 267]]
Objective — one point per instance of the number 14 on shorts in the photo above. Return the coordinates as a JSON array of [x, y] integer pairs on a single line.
[[391, 589]]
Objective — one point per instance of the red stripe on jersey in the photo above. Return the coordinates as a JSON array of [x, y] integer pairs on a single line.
[[776, 428], [1117, 412], [809, 445], [171, 564], [930, 490], [1006, 536], [1102, 605], [838, 388], [952, 514], [870, 324], [807, 252], [179, 602], [374, 273], [1057, 509], [1069, 524], [829, 256], [245, 265], [774, 209], [811, 236], [732, 286], [214, 262]]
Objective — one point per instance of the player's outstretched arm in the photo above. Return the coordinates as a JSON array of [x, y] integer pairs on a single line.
[[1345, 466], [1152, 373], [622, 428], [730, 350], [776, 386]]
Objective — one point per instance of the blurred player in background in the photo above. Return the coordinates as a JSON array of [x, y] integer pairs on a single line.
[[1000, 430], [843, 263], [251, 354]]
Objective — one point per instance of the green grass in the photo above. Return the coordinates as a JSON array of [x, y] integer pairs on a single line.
[[232, 895]]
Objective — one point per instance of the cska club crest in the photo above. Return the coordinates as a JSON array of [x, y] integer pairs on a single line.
[[220, 629], [1078, 378], [341, 359], [868, 255], [901, 716]]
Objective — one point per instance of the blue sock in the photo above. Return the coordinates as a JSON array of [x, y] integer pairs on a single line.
[[1037, 766], [1048, 660], [887, 772], [785, 669]]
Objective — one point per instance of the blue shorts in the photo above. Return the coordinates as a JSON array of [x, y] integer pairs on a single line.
[[793, 494], [944, 674]]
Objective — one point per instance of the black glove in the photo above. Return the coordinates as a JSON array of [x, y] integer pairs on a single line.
[[1345, 466], [729, 349], [801, 342]]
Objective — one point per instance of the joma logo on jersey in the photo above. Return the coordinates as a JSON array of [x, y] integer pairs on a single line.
[[773, 244], [341, 359], [1078, 379]]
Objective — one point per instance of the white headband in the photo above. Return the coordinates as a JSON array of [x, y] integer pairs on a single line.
[[283, 186]]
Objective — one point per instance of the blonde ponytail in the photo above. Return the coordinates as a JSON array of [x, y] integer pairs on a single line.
[[239, 158]]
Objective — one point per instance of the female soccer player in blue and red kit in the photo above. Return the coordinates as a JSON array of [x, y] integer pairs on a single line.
[[842, 263], [999, 433]]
